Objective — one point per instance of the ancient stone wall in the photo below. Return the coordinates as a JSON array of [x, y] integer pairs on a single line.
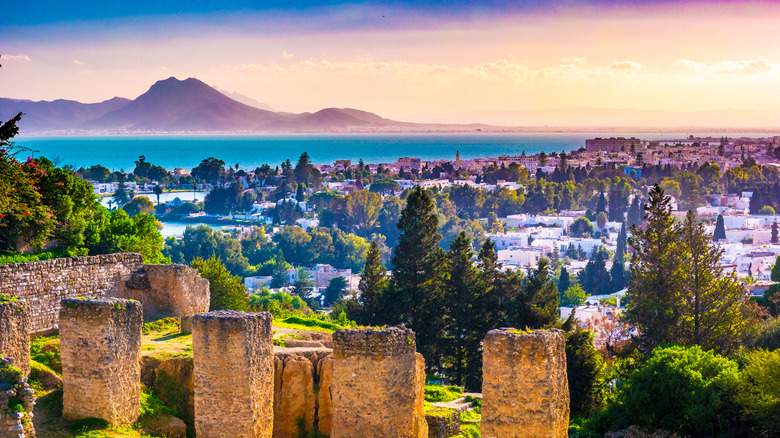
[[233, 374], [524, 390], [166, 290], [15, 418], [43, 284], [14, 333], [378, 384], [100, 345], [300, 391]]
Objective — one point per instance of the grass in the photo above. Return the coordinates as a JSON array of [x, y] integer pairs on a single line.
[[164, 325], [437, 411], [46, 351], [281, 341], [442, 394], [163, 338], [310, 324]]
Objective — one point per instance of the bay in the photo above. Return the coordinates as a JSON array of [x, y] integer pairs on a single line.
[[251, 151]]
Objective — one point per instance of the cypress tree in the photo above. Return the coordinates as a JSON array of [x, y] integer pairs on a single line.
[[299, 193], [564, 281], [634, 216], [601, 207], [720, 229], [538, 302], [415, 297], [618, 271], [373, 283], [774, 233], [462, 290]]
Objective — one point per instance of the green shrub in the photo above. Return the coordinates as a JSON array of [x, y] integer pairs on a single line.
[[162, 325], [24, 258], [151, 406], [768, 335], [681, 389], [9, 375], [46, 350], [442, 394], [759, 395]]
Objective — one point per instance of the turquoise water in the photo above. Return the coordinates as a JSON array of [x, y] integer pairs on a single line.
[[250, 151]]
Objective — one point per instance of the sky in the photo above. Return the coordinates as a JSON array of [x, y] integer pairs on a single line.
[[446, 60]]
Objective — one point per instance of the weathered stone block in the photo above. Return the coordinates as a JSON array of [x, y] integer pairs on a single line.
[[524, 386], [294, 396], [325, 395], [100, 344], [443, 423], [15, 333], [234, 374], [14, 389], [378, 384], [166, 290]]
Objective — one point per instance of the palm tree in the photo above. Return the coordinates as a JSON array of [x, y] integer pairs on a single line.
[[158, 191]]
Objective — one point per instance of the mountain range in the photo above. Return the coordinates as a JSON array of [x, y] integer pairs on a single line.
[[181, 106], [191, 106]]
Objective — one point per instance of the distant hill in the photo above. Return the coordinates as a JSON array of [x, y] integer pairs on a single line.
[[246, 100], [58, 114], [181, 106]]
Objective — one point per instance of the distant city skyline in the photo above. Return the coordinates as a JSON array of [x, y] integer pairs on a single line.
[[451, 61]]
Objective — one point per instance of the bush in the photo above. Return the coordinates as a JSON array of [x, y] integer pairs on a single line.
[[444, 394], [23, 258], [585, 372], [768, 335], [759, 395], [46, 350], [682, 389], [227, 291]]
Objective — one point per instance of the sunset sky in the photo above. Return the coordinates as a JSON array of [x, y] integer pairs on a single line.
[[402, 59]]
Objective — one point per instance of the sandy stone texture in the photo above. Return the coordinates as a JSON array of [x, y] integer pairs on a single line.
[[378, 384], [15, 334], [233, 374], [166, 290], [100, 344], [525, 389], [297, 382]]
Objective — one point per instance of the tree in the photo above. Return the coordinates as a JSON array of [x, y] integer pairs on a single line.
[[227, 291], [774, 232], [537, 304], [720, 229], [581, 227], [415, 294], [713, 307], [158, 191], [141, 204], [299, 194], [564, 281], [304, 285], [618, 271], [209, 170], [120, 195], [574, 296], [584, 370], [601, 221], [652, 306], [634, 216], [462, 291], [601, 207], [373, 283], [334, 291], [595, 278], [279, 277]]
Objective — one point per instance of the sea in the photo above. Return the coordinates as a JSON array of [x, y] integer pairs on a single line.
[[251, 151]]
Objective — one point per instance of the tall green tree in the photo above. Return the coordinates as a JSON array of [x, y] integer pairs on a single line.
[[564, 280], [415, 298], [334, 291], [634, 216], [652, 307], [463, 289], [720, 229], [227, 291], [537, 305], [714, 308], [373, 284], [595, 278], [618, 271]]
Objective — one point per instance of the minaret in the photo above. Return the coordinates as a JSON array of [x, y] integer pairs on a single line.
[[457, 158]]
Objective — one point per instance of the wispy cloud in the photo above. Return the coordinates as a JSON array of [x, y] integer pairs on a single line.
[[574, 60], [286, 55], [20, 57], [751, 66], [78, 62], [626, 66]]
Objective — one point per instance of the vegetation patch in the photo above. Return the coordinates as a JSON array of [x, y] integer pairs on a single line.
[[442, 394], [437, 411], [163, 325]]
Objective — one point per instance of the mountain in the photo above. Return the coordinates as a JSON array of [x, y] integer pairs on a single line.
[[246, 100], [56, 115]]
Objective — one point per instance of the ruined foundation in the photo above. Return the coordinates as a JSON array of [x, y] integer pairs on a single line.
[[525, 390], [100, 343], [234, 374], [17, 401], [378, 384], [15, 332], [166, 290]]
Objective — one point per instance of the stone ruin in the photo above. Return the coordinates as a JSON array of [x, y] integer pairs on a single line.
[[233, 374], [100, 344], [166, 290], [302, 391], [14, 333], [378, 384], [17, 401], [525, 390]]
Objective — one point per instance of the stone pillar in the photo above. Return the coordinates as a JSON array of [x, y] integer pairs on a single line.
[[234, 374], [525, 391], [100, 345], [15, 332], [378, 384]]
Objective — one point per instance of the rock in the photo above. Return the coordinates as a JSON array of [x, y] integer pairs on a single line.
[[294, 396], [164, 425], [325, 395]]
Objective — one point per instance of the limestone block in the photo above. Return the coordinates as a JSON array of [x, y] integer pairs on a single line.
[[100, 344], [15, 333], [15, 387], [443, 424], [294, 396], [525, 389], [325, 395], [166, 290], [378, 381], [233, 374]]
